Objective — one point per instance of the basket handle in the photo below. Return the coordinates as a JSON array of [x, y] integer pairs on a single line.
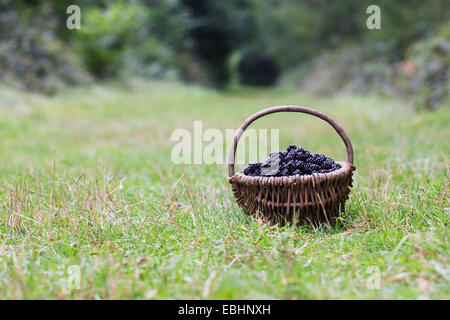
[[267, 111]]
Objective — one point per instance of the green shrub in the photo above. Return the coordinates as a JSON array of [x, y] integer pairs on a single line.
[[429, 83], [106, 35], [32, 57]]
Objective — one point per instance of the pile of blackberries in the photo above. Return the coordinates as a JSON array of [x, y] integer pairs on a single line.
[[291, 162]]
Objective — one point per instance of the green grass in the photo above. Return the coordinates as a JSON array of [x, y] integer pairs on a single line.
[[86, 180]]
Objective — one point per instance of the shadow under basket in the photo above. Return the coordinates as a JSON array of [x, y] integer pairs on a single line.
[[299, 199]]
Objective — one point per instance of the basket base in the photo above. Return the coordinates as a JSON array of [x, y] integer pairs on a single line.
[[312, 199], [308, 216]]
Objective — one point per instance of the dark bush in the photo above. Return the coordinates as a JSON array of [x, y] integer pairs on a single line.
[[31, 56], [258, 69], [218, 29]]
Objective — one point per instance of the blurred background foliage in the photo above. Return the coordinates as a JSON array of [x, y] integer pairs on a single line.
[[320, 46]]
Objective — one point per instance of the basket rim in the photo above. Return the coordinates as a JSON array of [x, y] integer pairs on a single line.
[[346, 168]]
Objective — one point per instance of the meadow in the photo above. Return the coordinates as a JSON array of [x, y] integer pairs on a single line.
[[87, 187]]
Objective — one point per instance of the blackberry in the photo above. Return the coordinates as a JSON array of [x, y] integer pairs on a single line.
[[318, 158], [335, 166], [298, 164], [291, 165], [301, 154], [293, 161], [291, 147], [311, 168], [327, 164], [253, 169]]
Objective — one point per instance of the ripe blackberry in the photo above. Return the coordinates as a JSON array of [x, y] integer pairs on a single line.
[[335, 166], [301, 154], [291, 162], [291, 165], [253, 169], [327, 164], [311, 168], [291, 147], [318, 158]]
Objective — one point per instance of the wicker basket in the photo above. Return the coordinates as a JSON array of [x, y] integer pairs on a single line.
[[301, 199]]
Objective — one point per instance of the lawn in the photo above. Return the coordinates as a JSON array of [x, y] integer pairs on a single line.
[[88, 188]]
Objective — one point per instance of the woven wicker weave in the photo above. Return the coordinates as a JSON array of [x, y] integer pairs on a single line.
[[315, 198]]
